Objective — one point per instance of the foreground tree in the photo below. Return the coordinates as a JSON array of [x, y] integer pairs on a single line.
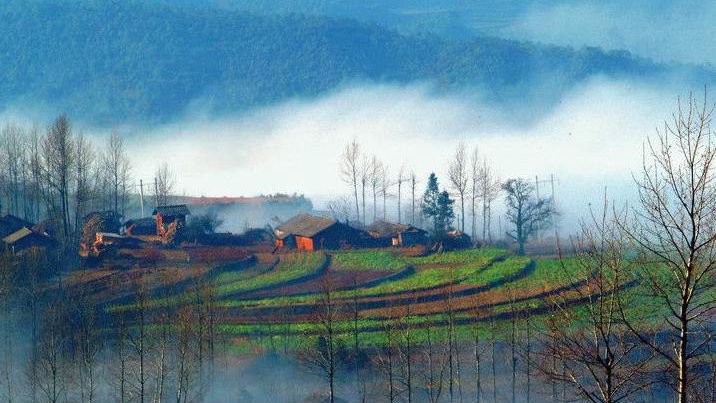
[[598, 360], [326, 358], [673, 225], [525, 211]]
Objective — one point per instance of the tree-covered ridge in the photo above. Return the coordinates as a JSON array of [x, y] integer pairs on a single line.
[[123, 61]]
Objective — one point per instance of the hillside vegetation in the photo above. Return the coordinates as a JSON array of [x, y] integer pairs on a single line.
[[108, 62]]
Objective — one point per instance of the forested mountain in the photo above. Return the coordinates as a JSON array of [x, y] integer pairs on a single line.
[[119, 61]]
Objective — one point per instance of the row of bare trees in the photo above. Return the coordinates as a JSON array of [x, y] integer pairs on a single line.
[[57, 346], [369, 174], [411, 362], [650, 272], [60, 174], [472, 179]]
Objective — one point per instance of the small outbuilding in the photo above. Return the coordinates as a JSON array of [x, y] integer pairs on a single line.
[[399, 234], [457, 240], [309, 232], [25, 238]]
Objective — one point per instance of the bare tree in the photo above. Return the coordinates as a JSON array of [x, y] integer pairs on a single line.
[[12, 144], [366, 168], [386, 360], [58, 152], [399, 181], [459, 177], [36, 186], [324, 358], [385, 185], [83, 173], [413, 185], [340, 209], [475, 189], [117, 170], [673, 226], [351, 170], [432, 371], [88, 342], [164, 182], [598, 361], [525, 211], [489, 190], [375, 168]]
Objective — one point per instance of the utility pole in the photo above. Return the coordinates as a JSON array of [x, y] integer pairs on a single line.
[[141, 196]]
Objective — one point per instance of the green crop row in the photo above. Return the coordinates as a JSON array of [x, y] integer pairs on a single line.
[[366, 260]]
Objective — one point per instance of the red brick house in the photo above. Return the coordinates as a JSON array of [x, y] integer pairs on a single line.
[[308, 232]]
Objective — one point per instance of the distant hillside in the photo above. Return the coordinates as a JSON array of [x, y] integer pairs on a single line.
[[109, 62]]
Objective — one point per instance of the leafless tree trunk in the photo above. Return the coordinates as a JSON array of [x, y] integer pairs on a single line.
[[8, 270], [598, 361], [117, 170], [459, 176], [139, 343], [58, 151], [12, 145], [406, 347], [374, 178], [164, 181], [413, 186], [83, 167], [489, 190], [34, 161], [673, 226], [475, 189], [365, 177], [351, 170], [323, 359], [433, 371], [399, 181], [385, 184]]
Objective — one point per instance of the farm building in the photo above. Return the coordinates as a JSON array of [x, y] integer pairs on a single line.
[[25, 238], [308, 232], [399, 234], [166, 215], [457, 240], [10, 223], [141, 226]]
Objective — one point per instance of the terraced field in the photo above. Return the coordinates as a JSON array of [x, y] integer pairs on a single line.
[[278, 296]]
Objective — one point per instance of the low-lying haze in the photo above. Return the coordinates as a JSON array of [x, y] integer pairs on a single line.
[[591, 140]]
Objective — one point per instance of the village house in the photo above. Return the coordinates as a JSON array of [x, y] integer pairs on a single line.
[[398, 234], [140, 226], [308, 232], [166, 215], [25, 238], [10, 223]]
